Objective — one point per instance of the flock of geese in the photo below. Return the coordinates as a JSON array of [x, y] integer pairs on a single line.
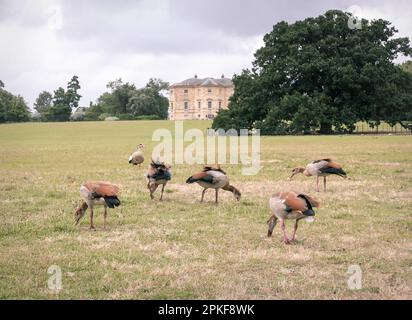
[[283, 205]]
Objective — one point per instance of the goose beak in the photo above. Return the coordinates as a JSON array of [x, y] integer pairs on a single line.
[[77, 218]]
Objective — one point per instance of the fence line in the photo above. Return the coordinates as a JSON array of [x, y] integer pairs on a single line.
[[383, 128]]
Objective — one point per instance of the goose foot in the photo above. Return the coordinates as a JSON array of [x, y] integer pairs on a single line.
[[286, 241]]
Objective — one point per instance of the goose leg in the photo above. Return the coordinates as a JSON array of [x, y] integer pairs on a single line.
[[285, 237], [203, 195], [271, 224], [317, 183], [153, 189], [150, 189], [104, 217], [324, 184], [216, 192], [161, 196], [92, 227], [294, 231]]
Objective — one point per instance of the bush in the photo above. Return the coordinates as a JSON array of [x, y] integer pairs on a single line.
[[125, 116], [149, 117], [103, 116], [36, 117], [79, 115], [112, 119]]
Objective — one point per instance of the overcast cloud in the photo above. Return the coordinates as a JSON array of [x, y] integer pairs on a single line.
[[45, 42]]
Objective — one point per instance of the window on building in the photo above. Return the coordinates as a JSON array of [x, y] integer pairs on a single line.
[[171, 91], [220, 105], [209, 104], [209, 90], [186, 105], [171, 105], [199, 104], [185, 91]]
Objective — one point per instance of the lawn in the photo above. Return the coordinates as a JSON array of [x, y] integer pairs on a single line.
[[180, 248]]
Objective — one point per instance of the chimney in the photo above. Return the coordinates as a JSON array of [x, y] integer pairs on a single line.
[[195, 76], [223, 76]]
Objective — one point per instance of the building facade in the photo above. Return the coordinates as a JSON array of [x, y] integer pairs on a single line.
[[199, 99]]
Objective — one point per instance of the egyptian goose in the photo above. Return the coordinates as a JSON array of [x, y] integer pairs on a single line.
[[213, 178], [158, 173], [290, 205], [100, 193], [320, 168], [137, 158]]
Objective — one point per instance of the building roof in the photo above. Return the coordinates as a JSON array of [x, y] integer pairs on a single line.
[[205, 82]]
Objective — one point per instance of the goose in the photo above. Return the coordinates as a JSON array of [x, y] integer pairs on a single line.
[[320, 168], [157, 174], [97, 193], [137, 158], [213, 178], [290, 205]]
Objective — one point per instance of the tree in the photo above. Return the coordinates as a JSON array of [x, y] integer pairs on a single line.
[[43, 104], [116, 101], [59, 106], [72, 97], [123, 100], [19, 111], [5, 103], [407, 66], [93, 112], [60, 110], [320, 75], [12, 108], [149, 101], [79, 114]]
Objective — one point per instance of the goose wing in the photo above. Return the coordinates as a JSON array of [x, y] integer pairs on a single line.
[[200, 176], [292, 204], [102, 188]]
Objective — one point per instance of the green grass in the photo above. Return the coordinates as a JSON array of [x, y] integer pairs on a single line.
[[180, 248]]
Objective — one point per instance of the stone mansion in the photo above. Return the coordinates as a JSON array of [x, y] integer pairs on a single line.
[[199, 99]]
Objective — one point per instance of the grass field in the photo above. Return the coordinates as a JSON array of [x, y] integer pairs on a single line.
[[180, 248]]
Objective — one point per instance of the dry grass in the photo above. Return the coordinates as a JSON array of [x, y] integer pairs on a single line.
[[180, 248]]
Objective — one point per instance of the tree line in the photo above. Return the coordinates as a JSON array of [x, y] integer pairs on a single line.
[[121, 101], [126, 102], [320, 75], [315, 75]]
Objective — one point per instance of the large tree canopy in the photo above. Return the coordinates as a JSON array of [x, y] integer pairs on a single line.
[[123, 100], [59, 106], [43, 104], [149, 101], [321, 75], [12, 108]]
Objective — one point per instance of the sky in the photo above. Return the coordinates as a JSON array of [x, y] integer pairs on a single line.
[[43, 43]]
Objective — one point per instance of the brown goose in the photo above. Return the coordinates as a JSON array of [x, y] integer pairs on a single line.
[[320, 168], [290, 205], [213, 178], [100, 193], [157, 174]]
